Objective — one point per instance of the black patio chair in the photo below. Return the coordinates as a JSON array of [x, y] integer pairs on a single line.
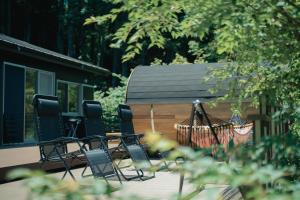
[[93, 123], [95, 143], [127, 127], [131, 143], [50, 131]]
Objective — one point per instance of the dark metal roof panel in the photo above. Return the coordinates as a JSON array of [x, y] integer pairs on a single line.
[[166, 100], [25, 48], [172, 84]]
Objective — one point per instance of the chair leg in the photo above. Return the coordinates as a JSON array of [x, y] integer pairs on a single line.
[[68, 169], [82, 174], [181, 183], [166, 164], [116, 171], [42, 164], [144, 178], [123, 156], [162, 157], [65, 173], [127, 178]]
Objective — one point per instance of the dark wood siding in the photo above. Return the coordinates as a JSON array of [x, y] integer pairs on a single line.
[[167, 115], [1, 101]]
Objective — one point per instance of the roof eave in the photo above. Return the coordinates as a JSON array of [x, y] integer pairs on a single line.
[[52, 59]]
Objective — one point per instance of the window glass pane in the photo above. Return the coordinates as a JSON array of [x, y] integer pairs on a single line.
[[73, 95], [30, 90], [13, 116], [46, 83], [62, 93], [88, 93]]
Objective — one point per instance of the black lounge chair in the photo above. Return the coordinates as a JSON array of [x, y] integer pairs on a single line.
[[93, 123], [50, 131], [98, 156], [131, 143], [127, 127]]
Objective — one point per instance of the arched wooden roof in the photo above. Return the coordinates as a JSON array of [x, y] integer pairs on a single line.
[[171, 84]]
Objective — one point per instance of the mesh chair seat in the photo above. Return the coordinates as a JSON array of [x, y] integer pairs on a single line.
[[137, 153], [100, 163]]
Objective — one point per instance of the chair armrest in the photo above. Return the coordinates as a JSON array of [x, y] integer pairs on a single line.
[[137, 137], [140, 135], [113, 137], [109, 137], [92, 137], [59, 140]]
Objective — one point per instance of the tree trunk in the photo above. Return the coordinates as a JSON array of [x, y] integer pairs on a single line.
[[28, 15], [125, 69], [5, 16], [70, 31], [116, 65], [60, 28], [71, 50]]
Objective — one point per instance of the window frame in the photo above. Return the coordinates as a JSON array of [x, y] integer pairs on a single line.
[[80, 96], [25, 67]]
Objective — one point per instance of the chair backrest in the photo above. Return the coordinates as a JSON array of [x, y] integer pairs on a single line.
[[49, 124], [125, 115], [93, 119], [48, 117], [126, 123]]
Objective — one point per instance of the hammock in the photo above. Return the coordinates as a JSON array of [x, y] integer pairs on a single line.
[[202, 136]]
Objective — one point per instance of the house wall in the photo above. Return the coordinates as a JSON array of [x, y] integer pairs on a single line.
[[27, 154], [1, 100], [61, 73], [167, 115]]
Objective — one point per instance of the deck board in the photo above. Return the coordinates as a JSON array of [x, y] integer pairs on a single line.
[[163, 187]]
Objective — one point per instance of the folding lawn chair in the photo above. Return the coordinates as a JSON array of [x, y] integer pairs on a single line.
[[131, 143], [127, 127], [97, 153], [50, 131]]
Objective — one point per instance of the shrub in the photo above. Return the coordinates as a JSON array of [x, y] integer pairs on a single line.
[[110, 100]]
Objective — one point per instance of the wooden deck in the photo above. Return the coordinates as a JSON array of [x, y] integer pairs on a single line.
[[163, 187]]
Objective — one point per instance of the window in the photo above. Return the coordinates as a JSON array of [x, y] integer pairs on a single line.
[[73, 98], [30, 90], [62, 93], [40, 82], [46, 80], [69, 96], [20, 84]]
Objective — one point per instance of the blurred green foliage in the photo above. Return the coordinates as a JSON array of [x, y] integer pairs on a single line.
[[40, 186], [265, 171]]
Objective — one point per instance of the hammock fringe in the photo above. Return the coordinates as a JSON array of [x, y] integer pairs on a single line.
[[203, 138]]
